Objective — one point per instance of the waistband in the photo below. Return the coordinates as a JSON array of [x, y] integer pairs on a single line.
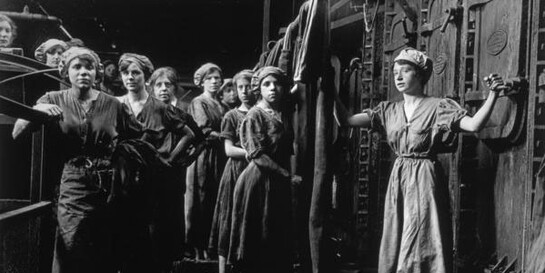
[[89, 162], [416, 156]]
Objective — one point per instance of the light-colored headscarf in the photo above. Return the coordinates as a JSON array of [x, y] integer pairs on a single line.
[[79, 52], [244, 74], [142, 61], [265, 71], [203, 71], [39, 53], [227, 83]]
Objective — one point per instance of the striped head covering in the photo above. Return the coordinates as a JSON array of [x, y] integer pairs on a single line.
[[79, 52]]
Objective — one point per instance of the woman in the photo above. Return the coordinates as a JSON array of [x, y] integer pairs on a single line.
[[230, 125], [415, 232], [50, 51], [165, 128], [204, 174], [8, 31], [90, 124], [164, 82], [260, 230]]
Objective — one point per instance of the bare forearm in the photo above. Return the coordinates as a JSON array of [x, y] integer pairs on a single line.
[[235, 152], [477, 122], [181, 146], [264, 161]]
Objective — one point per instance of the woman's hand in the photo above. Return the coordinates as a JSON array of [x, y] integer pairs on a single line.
[[495, 83], [296, 180], [52, 110]]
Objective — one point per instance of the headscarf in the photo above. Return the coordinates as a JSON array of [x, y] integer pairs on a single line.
[[79, 52], [227, 83], [244, 74], [39, 53], [265, 71], [142, 61], [203, 71], [418, 58]]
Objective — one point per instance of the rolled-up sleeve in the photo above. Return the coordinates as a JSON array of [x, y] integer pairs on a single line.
[[449, 114], [253, 137]]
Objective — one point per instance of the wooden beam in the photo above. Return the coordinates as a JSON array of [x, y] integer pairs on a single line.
[[337, 5], [266, 24], [347, 20], [26, 211]]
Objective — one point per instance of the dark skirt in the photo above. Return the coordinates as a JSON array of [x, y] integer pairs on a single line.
[[84, 235], [221, 223], [261, 222], [202, 182]]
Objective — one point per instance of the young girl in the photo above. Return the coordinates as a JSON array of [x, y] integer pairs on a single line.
[[203, 176], [260, 231], [221, 224]]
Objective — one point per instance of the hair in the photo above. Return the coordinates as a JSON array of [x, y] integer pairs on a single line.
[[168, 72], [244, 74], [5, 18], [423, 74], [124, 65], [210, 71]]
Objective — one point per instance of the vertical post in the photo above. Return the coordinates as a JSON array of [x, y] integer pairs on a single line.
[[266, 23], [36, 169]]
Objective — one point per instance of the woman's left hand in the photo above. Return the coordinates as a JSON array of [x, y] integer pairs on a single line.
[[495, 83]]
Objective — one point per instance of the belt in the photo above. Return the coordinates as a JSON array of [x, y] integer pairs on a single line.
[[414, 156], [89, 162]]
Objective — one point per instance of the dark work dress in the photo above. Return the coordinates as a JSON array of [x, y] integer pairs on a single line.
[[261, 218], [83, 241], [203, 175], [415, 235], [163, 126], [221, 224]]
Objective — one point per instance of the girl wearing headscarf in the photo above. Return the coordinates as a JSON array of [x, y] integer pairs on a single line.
[[89, 124], [230, 125], [50, 51], [8, 31], [165, 128], [204, 174], [261, 216], [415, 236], [228, 95]]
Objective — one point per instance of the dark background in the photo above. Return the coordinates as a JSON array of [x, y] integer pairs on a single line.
[[179, 33]]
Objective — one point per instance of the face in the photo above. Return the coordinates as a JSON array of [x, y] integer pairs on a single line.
[[163, 89], [229, 96], [53, 56], [6, 34], [243, 90], [271, 89], [212, 82], [82, 73], [110, 71], [406, 79], [133, 78]]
